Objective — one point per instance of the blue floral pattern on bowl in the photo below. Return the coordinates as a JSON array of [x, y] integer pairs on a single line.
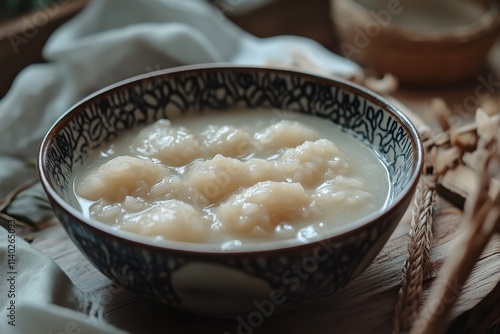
[[153, 270]]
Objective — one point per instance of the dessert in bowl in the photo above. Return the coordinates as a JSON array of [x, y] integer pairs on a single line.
[[212, 188]]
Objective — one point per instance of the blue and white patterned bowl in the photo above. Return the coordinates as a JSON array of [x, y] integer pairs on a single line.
[[202, 278]]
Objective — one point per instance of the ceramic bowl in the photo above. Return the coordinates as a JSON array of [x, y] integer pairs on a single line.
[[421, 42], [201, 278]]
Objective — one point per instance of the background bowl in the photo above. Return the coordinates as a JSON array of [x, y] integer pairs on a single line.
[[374, 33], [201, 278]]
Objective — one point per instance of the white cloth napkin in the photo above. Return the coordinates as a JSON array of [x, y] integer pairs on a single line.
[[109, 41], [38, 297]]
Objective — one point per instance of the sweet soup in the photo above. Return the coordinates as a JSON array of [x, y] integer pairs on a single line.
[[244, 178]]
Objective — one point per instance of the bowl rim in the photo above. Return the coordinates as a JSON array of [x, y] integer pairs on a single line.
[[215, 249], [488, 22]]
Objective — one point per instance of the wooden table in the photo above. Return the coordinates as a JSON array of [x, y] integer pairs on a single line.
[[22, 38], [366, 304]]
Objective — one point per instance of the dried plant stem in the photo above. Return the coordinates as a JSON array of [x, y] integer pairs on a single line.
[[419, 248], [5, 202], [434, 316], [481, 221], [5, 218]]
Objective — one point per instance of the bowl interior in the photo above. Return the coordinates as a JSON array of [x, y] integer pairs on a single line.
[[176, 93]]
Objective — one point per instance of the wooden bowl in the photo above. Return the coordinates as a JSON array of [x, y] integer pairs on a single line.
[[416, 41]]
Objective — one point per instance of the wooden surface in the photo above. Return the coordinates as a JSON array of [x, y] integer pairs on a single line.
[[364, 306], [22, 38]]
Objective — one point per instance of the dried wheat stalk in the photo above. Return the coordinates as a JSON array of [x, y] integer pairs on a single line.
[[481, 221], [444, 152], [420, 235], [419, 248]]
